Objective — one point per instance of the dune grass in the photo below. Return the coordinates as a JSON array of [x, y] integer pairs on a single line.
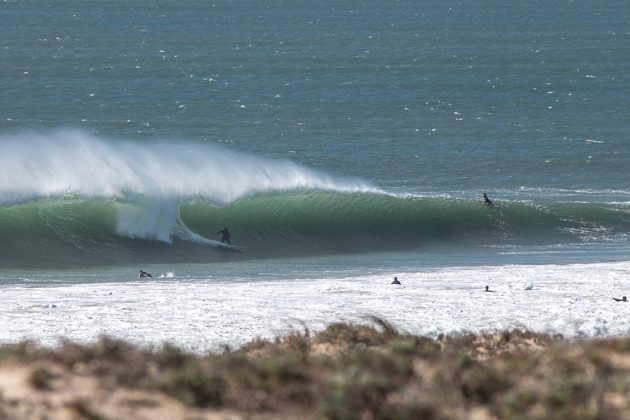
[[364, 371]]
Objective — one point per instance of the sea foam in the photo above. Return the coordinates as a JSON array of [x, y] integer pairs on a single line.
[[203, 314]]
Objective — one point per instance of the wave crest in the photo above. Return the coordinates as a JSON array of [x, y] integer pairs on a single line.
[[72, 162]]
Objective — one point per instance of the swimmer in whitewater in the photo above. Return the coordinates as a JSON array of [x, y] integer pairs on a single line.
[[143, 274], [226, 236]]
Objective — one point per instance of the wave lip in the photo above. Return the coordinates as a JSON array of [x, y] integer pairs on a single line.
[[72, 162]]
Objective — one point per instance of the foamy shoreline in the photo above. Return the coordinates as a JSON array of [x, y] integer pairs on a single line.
[[202, 315]]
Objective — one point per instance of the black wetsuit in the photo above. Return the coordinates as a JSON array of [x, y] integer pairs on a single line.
[[226, 236]]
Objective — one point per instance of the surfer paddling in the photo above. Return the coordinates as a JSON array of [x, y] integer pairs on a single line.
[[143, 274], [623, 299], [225, 236], [487, 201]]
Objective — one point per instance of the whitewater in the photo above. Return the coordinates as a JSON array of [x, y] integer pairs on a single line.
[[205, 314]]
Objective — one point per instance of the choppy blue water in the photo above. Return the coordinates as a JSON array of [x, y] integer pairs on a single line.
[[335, 135]]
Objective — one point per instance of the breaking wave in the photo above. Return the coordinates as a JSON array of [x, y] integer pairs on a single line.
[[69, 198]]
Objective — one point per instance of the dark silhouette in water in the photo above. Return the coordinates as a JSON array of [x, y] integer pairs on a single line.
[[623, 299], [488, 289], [226, 236], [143, 274], [395, 281], [487, 201]]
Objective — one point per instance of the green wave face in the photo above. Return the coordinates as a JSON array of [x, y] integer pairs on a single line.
[[74, 232], [331, 222]]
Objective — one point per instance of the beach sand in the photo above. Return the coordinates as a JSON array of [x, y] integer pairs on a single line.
[[344, 371]]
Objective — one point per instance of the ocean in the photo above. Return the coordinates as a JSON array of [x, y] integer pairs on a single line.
[[341, 142]]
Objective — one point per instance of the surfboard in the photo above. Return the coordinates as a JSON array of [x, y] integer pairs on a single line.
[[227, 247]]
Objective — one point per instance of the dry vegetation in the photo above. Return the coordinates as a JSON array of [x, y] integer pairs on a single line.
[[343, 372]]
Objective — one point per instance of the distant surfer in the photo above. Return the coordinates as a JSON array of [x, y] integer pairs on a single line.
[[144, 274], [395, 281], [226, 236], [487, 201], [623, 299], [488, 289]]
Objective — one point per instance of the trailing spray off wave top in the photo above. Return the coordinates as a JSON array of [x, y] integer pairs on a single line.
[[74, 163], [71, 199]]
